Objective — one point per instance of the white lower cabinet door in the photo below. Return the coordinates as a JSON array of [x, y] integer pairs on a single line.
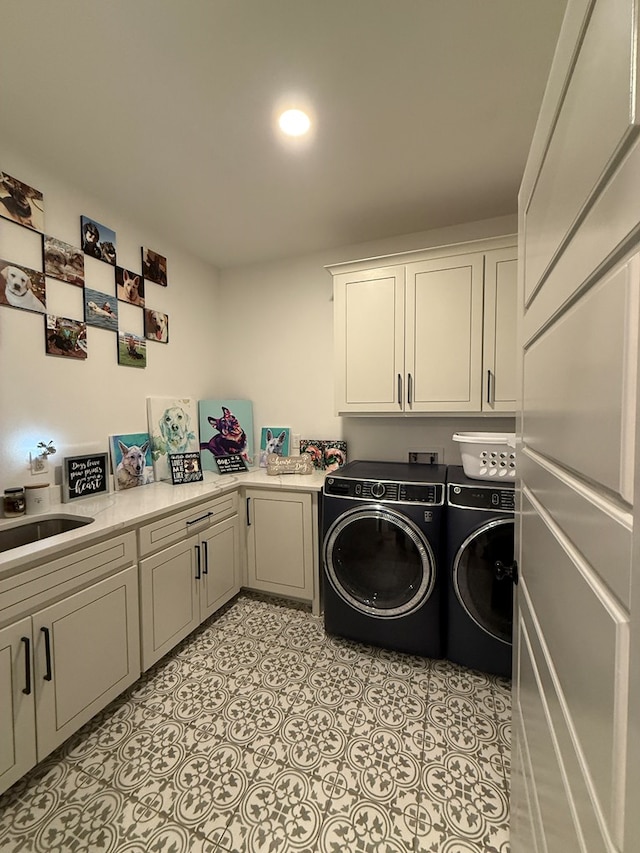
[[17, 715], [87, 651], [280, 548], [220, 565], [169, 596]]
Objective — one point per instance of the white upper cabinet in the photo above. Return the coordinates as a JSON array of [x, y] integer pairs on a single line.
[[427, 332]]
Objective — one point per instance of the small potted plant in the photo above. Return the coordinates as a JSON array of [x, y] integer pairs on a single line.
[[37, 495]]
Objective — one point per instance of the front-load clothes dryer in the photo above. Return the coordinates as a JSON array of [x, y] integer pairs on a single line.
[[381, 551], [481, 572]]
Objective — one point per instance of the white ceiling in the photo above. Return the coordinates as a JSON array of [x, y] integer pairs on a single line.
[[424, 111]]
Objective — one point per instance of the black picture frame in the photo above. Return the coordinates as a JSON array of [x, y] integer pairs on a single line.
[[85, 477], [186, 467]]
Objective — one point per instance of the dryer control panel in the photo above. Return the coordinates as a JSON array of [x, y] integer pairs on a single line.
[[482, 497], [431, 494]]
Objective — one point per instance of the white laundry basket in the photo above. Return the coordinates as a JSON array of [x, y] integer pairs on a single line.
[[488, 455]]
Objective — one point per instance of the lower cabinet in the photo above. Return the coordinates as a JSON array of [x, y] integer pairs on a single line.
[[63, 664], [184, 584], [280, 542]]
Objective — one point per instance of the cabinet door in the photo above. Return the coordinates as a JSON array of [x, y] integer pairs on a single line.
[[369, 340], [499, 355], [17, 716], [87, 651], [169, 597], [280, 551], [220, 560], [444, 334]]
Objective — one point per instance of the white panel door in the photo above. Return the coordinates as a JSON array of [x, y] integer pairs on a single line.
[[17, 714], [444, 334], [369, 340], [576, 774]]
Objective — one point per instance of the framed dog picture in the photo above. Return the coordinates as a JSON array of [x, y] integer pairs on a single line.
[[131, 460], [100, 310], [154, 267], [85, 476], [97, 240], [62, 261], [21, 203], [185, 467], [173, 427], [226, 428], [21, 287], [64, 337], [156, 326], [132, 350], [129, 287]]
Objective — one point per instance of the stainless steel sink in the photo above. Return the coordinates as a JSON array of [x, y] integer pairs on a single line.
[[24, 533]]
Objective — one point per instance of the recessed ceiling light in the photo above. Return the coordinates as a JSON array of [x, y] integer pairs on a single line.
[[294, 122]]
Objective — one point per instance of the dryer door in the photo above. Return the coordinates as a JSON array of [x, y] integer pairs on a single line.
[[485, 596], [379, 562]]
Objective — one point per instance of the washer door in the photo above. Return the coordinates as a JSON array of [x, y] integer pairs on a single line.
[[379, 562], [487, 599]]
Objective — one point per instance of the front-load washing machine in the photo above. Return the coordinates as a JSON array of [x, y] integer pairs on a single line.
[[381, 552], [481, 572]]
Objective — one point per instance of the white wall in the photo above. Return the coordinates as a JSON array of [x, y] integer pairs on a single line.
[[78, 404], [277, 349]]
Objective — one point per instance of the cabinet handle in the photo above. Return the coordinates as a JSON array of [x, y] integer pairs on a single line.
[[47, 653], [27, 665], [248, 516], [201, 518], [400, 390], [489, 387], [205, 565], [198, 573], [409, 388]]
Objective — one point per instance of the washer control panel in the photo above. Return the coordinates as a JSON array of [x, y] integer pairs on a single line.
[[431, 494], [482, 497]]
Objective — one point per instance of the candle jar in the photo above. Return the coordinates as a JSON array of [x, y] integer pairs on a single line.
[[13, 502]]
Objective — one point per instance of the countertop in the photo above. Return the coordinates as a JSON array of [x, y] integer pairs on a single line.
[[118, 512]]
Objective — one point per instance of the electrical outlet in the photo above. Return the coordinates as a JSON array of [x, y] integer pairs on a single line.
[[426, 457], [38, 464]]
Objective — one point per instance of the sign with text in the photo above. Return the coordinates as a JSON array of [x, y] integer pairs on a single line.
[[185, 467], [85, 476], [230, 464]]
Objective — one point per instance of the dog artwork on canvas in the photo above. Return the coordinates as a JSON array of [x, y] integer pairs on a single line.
[[132, 470], [230, 438], [274, 444]]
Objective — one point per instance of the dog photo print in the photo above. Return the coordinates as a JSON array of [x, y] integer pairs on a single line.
[[226, 427], [21, 287], [97, 240], [273, 440], [65, 337], [131, 460], [62, 261], [173, 427], [132, 350], [21, 203], [156, 326], [154, 267], [100, 310], [129, 287]]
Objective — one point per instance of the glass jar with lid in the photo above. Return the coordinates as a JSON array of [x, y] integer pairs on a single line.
[[13, 502]]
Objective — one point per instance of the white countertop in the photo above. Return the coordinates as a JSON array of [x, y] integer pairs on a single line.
[[120, 511]]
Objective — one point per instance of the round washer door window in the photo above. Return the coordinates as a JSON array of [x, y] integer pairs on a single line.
[[379, 562], [487, 599]]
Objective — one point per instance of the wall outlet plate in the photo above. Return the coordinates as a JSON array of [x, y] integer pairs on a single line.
[[38, 464], [426, 457]]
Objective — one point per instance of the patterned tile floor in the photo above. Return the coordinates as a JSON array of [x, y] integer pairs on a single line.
[[261, 734]]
